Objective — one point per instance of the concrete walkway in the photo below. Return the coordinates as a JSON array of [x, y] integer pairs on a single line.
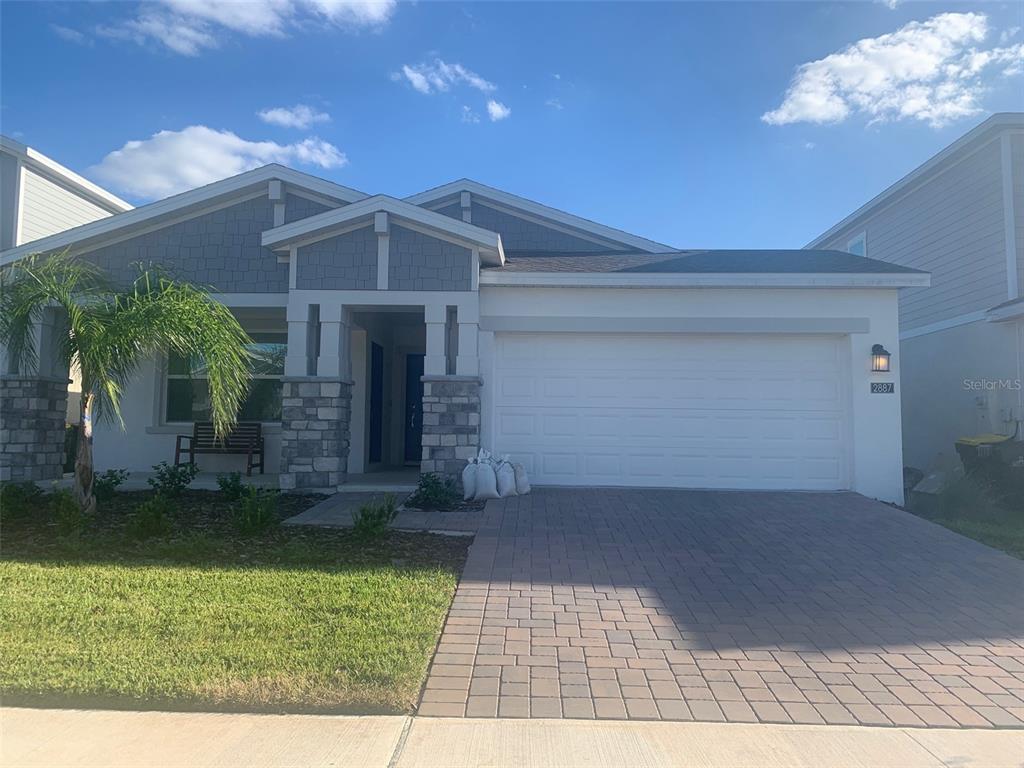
[[110, 739]]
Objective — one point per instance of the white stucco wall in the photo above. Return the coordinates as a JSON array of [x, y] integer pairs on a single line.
[[874, 419]]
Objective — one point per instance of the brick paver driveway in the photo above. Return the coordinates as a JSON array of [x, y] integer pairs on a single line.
[[774, 607]]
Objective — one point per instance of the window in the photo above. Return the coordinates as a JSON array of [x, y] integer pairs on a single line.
[[858, 246], [188, 394]]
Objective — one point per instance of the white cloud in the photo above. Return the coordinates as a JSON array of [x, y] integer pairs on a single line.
[[555, 103], [71, 35], [299, 116], [174, 161], [190, 26], [926, 70], [497, 111], [468, 115], [438, 76]]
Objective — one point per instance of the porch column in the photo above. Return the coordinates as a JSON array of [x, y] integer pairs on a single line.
[[467, 362], [435, 363], [335, 358], [301, 318]]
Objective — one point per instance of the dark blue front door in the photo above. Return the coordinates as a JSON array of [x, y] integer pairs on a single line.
[[413, 407]]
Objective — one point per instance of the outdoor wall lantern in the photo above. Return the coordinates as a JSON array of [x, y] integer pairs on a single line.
[[879, 359]]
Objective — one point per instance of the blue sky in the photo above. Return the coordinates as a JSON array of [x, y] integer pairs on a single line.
[[700, 125]]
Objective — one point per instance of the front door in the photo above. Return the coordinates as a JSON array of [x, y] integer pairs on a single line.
[[413, 407]]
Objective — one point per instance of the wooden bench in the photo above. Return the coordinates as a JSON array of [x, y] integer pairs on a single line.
[[245, 439]]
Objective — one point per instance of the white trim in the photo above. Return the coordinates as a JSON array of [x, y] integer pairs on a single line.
[[553, 324], [381, 226], [1000, 314], [1009, 223], [510, 211], [316, 238], [530, 206], [324, 225], [707, 280], [148, 214], [1012, 121], [942, 325], [65, 176], [19, 197]]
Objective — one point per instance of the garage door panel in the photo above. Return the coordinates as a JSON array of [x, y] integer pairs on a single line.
[[673, 410]]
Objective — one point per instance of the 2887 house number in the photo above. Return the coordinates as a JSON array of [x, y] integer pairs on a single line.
[[882, 387]]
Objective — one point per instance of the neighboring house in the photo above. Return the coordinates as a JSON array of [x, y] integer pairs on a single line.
[[414, 331], [40, 197], [960, 216]]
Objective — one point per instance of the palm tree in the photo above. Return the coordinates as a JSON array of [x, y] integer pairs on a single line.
[[110, 332]]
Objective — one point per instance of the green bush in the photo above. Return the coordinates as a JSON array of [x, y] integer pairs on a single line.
[[256, 511], [231, 485], [371, 520], [970, 496], [19, 499], [435, 492], [152, 518], [104, 486], [170, 481], [68, 513]]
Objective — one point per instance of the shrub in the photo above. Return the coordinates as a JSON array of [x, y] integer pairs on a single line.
[[968, 496], [256, 511], [435, 492], [371, 520], [68, 513], [171, 481], [152, 518], [231, 485], [19, 499], [104, 486]]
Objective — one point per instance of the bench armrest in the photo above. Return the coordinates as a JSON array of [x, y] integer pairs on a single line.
[[179, 438]]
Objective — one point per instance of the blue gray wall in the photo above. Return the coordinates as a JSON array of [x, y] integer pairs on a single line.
[[418, 262], [348, 261], [220, 249], [522, 235], [297, 207]]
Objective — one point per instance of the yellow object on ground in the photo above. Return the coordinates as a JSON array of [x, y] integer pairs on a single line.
[[989, 439]]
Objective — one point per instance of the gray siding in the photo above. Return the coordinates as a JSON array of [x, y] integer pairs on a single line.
[[8, 191], [952, 226], [220, 249], [48, 208], [348, 261], [1017, 159], [297, 207], [522, 235], [454, 210], [418, 262]]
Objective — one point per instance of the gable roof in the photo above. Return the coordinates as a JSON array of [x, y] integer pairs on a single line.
[[324, 224], [980, 134], [40, 163], [554, 215], [178, 205]]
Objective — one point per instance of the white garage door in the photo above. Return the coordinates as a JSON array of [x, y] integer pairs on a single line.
[[676, 410]]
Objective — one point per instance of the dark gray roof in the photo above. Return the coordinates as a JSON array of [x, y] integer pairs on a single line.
[[768, 261]]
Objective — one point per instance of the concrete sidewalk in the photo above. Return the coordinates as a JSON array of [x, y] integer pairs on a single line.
[[58, 738]]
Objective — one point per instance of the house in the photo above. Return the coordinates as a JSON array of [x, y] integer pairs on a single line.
[[40, 197], [413, 331], [959, 216]]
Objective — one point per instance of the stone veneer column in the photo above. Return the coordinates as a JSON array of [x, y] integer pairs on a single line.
[[315, 417], [33, 411], [451, 423]]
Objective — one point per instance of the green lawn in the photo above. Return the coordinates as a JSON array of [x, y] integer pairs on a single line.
[[293, 619]]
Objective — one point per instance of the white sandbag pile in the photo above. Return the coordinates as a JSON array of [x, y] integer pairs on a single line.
[[486, 477]]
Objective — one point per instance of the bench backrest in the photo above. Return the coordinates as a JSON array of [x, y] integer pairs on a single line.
[[245, 434]]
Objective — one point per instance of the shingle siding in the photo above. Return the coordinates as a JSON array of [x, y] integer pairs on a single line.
[[454, 210], [48, 208], [521, 235], [418, 262], [220, 249], [345, 262], [951, 226], [297, 207]]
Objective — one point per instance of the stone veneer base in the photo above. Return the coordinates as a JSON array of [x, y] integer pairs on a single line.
[[315, 417], [33, 412], [451, 423]]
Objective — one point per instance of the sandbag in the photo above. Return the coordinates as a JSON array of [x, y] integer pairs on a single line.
[[522, 481], [506, 477], [486, 482], [469, 481]]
